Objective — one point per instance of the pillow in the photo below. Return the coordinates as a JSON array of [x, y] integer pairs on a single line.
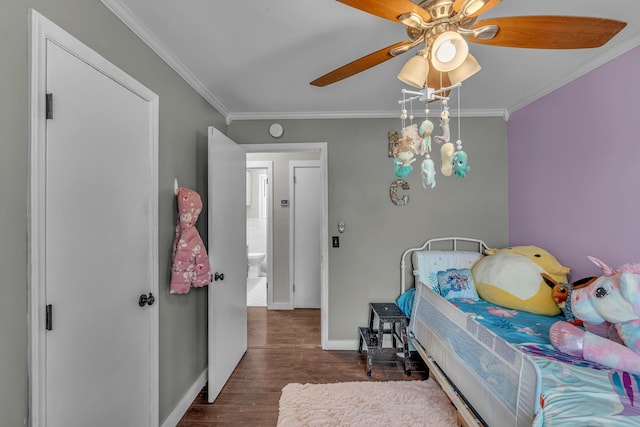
[[457, 283], [511, 278], [427, 264], [405, 301]]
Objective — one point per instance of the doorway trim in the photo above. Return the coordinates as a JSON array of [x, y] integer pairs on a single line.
[[268, 165], [320, 147], [41, 30]]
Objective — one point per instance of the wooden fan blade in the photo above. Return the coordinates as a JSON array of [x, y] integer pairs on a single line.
[[388, 9], [457, 6], [358, 65], [551, 32]]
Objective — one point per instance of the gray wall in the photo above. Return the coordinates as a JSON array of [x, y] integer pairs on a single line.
[[366, 266], [184, 117]]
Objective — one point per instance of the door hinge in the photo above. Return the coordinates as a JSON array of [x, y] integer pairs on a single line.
[[49, 317], [49, 106], [294, 287], [294, 179]]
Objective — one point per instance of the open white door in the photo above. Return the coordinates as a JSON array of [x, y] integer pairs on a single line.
[[228, 258]]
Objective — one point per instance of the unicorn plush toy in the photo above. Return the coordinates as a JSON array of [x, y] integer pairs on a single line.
[[610, 310]]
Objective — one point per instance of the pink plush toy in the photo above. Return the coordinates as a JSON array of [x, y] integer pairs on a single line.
[[610, 310]]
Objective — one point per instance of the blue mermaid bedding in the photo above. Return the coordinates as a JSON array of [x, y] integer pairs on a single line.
[[573, 391], [506, 367]]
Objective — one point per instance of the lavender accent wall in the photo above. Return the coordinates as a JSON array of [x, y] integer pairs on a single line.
[[574, 169]]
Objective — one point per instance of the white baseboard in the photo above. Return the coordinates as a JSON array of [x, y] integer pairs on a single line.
[[342, 345], [280, 306], [183, 406]]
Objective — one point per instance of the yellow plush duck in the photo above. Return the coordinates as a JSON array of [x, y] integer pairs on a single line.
[[511, 278]]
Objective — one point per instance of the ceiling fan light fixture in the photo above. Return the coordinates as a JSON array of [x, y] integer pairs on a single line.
[[411, 19], [472, 6], [486, 32], [414, 72], [448, 51], [467, 69]]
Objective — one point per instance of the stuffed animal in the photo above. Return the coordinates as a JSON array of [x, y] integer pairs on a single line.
[[404, 157], [426, 128], [561, 295], [613, 301], [446, 156], [428, 173], [511, 278], [411, 132], [460, 167], [444, 124]]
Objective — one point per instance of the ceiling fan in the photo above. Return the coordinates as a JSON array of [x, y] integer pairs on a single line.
[[444, 26]]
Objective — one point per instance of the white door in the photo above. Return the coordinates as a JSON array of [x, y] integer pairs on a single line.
[[306, 205], [228, 258], [100, 244]]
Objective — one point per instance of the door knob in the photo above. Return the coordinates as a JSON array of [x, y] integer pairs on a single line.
[[218, 276], [146, 299]]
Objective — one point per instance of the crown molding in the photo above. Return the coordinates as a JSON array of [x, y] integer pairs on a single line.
[[134, 24], [353, 115]]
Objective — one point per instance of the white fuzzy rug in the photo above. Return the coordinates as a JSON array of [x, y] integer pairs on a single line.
[[366, 403]]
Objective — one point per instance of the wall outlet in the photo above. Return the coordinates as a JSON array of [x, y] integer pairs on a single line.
[[335, 241]]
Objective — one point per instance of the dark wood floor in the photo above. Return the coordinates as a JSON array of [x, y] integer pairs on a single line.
[[284, 347]]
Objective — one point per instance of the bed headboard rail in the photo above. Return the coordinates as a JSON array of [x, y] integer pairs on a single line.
[[440, 243]]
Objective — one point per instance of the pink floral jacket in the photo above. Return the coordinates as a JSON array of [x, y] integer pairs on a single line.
[[190, 261]]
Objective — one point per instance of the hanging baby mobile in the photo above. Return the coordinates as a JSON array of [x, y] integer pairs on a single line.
[[417, 141]]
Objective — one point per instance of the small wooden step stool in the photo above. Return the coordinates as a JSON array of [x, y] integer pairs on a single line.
[[386, 313]]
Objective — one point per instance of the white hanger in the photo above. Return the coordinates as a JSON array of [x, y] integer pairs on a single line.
[[175, 186]]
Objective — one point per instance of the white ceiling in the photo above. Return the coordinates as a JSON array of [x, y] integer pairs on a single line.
[[254, 59]]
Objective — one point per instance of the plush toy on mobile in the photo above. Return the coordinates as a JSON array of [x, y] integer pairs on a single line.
[[404, 157], [444, 124], [428, 173], [426, 128]]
